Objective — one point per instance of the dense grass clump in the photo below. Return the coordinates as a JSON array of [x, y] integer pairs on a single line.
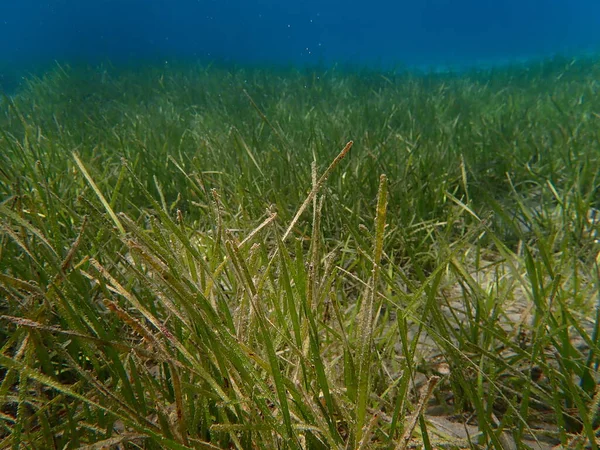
[[206, 258]]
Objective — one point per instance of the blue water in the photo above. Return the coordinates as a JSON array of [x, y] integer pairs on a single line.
[[376, 33]]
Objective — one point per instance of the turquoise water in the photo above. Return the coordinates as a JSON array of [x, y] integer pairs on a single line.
[[376, 34]]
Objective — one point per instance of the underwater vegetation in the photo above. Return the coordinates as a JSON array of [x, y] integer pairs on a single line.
[[199, 257]]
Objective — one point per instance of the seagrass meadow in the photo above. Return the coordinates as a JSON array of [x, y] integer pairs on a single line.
[[203, 257]]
